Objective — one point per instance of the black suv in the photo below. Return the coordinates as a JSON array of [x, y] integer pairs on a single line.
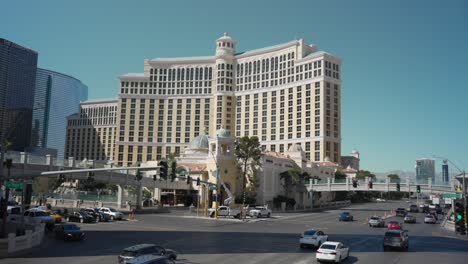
[[396, 239], [146, 249], [400, 212], [413, 208]]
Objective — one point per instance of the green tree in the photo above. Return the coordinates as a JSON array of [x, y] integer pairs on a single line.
[[248, 153], [362, 174], [394, 177], [290, 178], [339, 175]]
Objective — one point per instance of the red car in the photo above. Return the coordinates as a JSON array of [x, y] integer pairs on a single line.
[[394, 225]]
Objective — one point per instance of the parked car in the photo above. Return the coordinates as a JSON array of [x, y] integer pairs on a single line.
[[400, 212], [376, 221], [413, 208], [409, 219], [68, 232], [439, 209], [430, 219], [99, 216], [312, 237], [113, 214], [396, 239], [225, 211], [38, 216], [424, 208], [394, 225], [380, 200], [332, 251], [145, 249], [260, 211], [150, 259], [80, 216]]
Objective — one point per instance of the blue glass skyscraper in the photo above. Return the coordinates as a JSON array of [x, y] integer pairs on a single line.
[[57, 96]]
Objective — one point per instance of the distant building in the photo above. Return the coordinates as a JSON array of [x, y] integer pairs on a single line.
[[351, 161], [425, 169], [91, 133], [57, 96], [18, 67], [445, 171]]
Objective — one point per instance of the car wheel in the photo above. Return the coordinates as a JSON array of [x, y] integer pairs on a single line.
[[67, 219], [302, 246], [237, 216], [98, 219], [112, 218], [259, 215], [81, 220], [319, 244], [268, 215]]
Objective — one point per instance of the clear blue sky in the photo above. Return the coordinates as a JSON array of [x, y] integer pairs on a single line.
[[405, 93]]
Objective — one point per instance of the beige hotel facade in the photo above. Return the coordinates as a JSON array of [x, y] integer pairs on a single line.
[[284, 94]]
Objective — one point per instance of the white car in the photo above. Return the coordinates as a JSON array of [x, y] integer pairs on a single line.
[[332, 251], [380, 200], [312, 237], [114, 214], [260, 211], [34, 216]]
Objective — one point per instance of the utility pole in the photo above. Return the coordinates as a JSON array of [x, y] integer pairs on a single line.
[[464, 200]]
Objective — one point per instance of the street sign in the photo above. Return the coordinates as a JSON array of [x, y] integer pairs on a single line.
[[14, 185], [451, 195]]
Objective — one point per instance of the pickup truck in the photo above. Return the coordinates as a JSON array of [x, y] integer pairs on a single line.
[[225, 211], [259, 211]]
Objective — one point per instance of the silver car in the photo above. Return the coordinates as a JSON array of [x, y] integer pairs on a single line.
[[376, 221]]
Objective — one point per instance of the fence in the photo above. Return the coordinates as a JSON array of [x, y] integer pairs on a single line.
[[15, 243]]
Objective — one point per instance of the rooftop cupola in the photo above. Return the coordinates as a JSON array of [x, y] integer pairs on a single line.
[[225, 45]]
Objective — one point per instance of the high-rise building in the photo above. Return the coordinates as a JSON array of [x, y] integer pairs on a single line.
[[284, 94], [445, 171], [425, 169], [351, 161], [17, 82], [57, 96], [91, 133]]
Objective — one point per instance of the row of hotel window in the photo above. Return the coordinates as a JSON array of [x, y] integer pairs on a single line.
[[100, 121]]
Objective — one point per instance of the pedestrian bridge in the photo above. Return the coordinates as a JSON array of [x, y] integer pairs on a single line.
[[346, 185]]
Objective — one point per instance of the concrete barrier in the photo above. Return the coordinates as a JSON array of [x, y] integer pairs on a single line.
[[15, 243]]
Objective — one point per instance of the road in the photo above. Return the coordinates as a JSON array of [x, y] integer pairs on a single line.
[[259, 241]]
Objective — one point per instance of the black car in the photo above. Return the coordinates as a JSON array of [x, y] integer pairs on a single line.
[[413, 208], [99, 216], [145, 249], [400, 212], [80, 216], [396, 239], [68, 232], [439, 209]]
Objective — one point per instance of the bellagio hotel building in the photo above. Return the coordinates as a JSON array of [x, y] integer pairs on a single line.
[[283, 94]]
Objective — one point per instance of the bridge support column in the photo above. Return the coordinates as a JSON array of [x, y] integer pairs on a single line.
[[347, 183], [367, 183], [387, 183], [139, 201], [329, 184], [119, 196]]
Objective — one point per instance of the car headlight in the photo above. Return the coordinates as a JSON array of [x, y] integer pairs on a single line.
[[69, 235]]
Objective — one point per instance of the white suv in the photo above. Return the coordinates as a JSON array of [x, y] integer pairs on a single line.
[[260, 211], [114, 214]]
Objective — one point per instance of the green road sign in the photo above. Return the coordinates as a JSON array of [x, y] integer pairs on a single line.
[[451, 195], [14, 185]]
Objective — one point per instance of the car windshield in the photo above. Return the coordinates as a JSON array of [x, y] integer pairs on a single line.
[[393, 223], [260, 207], [429, 216], [112, 210], [71, 227], [128, 253], [310, 232], [328, 246], [374, 218], [345, 213], [41, 214], [409, 216], [83, 213], [392, 234]]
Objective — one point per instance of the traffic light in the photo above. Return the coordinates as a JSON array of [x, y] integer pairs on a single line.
[[189, 179], [354, 183], [163, 171], [418, 188], [198, 181], [459, 218], [139, 175], [370, 185], [397, 187], [173, 170]]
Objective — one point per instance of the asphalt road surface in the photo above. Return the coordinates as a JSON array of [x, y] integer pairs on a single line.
[[273, 240]]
